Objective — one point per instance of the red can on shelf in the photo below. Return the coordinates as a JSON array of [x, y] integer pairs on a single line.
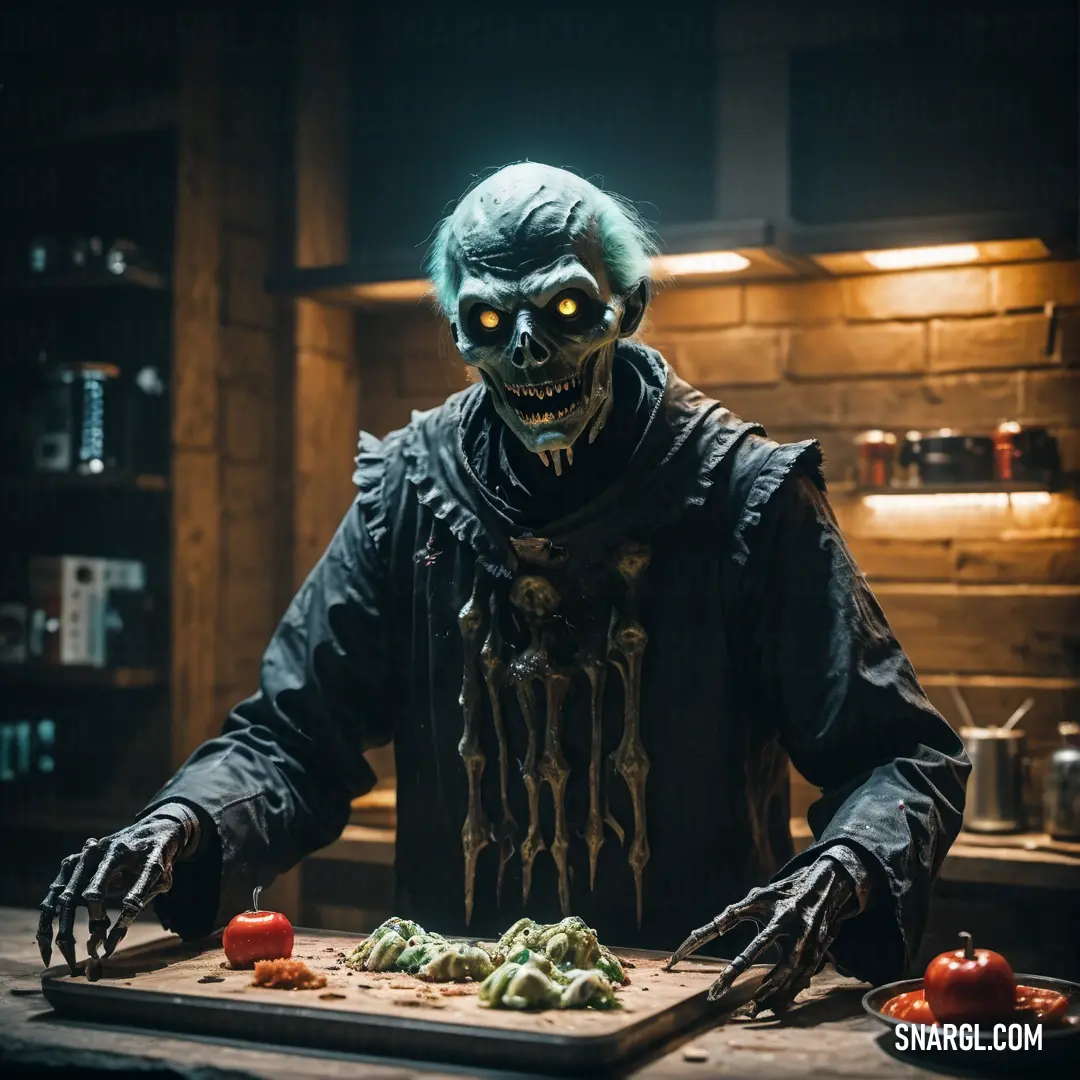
[[1005, 449], [877, 451]]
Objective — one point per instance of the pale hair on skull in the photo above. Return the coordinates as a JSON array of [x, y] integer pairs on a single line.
[[527, 215]]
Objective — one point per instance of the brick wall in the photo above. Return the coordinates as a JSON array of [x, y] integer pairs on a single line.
[[989, 599]]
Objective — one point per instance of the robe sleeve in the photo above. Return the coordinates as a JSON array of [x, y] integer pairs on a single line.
[[277, 783], [826, 672]]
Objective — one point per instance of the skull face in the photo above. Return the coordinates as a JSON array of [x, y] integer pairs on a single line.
[[533, 306]]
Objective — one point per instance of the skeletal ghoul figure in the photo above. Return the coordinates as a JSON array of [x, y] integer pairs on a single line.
[[596, 612], [540, 274]]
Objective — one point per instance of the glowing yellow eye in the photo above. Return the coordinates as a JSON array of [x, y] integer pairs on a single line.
[[489, 319], [567, 306]]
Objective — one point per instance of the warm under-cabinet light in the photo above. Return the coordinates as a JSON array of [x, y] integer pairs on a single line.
[[915, 257], [935, 502], [698, 263], [392, 292]]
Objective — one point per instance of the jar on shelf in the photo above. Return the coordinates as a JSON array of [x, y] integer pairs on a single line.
[[877, 454], [948, 457], [1061, 792], [1025, 454], [80, 429]]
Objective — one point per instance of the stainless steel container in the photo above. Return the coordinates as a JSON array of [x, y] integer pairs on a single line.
[[995, 791], [1061, 791]]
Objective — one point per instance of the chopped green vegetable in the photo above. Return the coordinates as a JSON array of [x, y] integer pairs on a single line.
[[532, 966]]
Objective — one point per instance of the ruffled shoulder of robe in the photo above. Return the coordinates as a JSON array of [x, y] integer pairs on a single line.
[[693, 449]]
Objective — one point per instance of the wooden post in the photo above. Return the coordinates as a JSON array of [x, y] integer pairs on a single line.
[[325, 388], [326, 416], [196, 451]]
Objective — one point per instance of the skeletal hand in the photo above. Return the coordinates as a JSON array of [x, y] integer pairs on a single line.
[[802, 912], [135, 863]]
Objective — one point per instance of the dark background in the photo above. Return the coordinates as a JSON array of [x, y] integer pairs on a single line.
[[896, 110]]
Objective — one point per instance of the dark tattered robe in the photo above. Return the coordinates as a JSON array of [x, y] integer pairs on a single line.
[[764, 643]]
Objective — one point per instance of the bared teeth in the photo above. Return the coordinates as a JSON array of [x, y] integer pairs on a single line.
[[545, 390]]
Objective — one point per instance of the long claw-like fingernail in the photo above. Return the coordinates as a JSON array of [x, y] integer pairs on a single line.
[[67, 951], [681, 953], [99, 929], [115, 937], [675, 958], [697, 940], [45, 948]]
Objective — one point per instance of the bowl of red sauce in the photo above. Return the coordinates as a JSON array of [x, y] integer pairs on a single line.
[[970, 1006]]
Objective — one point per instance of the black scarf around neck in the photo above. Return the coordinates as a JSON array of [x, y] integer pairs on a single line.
[[518, 485]]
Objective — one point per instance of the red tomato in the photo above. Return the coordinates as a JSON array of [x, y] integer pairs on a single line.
[[257, 935], [969, 986]]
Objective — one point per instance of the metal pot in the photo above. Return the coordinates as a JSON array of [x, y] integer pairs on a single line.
[[942, 457], [1061, 793], [995, 791]]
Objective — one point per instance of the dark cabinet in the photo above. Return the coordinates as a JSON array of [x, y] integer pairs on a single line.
[[445, 95]]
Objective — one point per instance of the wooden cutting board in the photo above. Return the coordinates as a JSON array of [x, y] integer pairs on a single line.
[[188, 988]]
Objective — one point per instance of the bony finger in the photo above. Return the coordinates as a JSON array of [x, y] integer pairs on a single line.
[[109, 868], [144, 888], [153, 868], [789, 978], [782, 995], [70, 899], [771, 988], [48, 908], [731, 916], [741, 962], [98, 925], [127, 916]]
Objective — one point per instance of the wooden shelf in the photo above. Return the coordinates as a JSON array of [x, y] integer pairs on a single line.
[[988, 487], [123, 678], [360, 284], [1029, 859], [150, 114], [377, 808], [1002, 682], [74, 482], [133, 278], [360, 843]]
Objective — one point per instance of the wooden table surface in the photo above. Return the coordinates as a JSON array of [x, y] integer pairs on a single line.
[[826, 1035]]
